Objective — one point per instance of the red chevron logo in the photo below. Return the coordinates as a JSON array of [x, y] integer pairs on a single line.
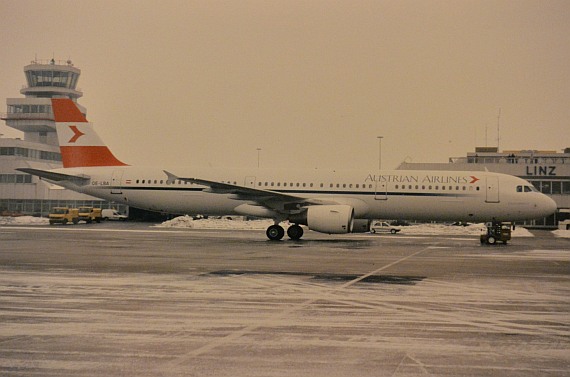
[[475, 179], [76, 134]]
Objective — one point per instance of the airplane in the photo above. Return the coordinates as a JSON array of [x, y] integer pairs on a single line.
[[327, 201]]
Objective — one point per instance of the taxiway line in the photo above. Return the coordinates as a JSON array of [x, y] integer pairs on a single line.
[[272, 319]]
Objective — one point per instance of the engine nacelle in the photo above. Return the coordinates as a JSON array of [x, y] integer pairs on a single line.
[[361, 225], [326, 218]]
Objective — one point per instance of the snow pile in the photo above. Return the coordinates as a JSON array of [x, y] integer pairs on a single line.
[[448, 230], [442, 229], [224, 223], [561, 233], [420, 229], [23, 220]]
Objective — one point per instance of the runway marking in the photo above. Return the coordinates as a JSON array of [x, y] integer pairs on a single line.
[[272, 319]]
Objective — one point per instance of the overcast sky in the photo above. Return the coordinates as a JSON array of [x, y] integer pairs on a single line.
[[312, 83]]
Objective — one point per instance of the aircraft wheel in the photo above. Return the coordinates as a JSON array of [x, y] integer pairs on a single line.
[[275, 232], [295, 232]]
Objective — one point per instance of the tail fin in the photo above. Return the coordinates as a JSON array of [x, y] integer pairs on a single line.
[[79, 144]]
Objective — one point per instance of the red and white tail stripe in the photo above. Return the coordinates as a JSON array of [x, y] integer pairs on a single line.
[[79, 144]]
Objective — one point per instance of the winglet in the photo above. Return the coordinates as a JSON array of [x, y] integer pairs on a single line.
[[171, 177]]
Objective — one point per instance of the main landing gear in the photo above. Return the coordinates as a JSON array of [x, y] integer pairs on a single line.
[[276, 232]]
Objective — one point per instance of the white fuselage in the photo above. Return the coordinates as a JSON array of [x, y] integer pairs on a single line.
[[398, 194]]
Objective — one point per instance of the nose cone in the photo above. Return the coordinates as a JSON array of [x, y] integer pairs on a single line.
[[546, 206]]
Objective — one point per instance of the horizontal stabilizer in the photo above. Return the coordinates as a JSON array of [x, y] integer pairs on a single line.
[[56, 177]]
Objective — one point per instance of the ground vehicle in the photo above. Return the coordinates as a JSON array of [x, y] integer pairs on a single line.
[[112, 214], [384, 227], [63, 215], [497, 232], [89, 214], [564, 225]]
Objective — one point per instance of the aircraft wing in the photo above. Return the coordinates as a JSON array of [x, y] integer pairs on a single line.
[[56, 177], [270, 199]]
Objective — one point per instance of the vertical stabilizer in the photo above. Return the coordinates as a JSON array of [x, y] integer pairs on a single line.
[[79, 144]]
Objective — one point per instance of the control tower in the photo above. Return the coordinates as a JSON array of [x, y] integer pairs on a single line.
[[22, 194], [33, 114]]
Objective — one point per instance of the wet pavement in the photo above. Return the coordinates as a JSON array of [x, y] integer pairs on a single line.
[[130, 300]]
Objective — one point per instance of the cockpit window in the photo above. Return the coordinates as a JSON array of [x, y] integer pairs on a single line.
[[526, 189]]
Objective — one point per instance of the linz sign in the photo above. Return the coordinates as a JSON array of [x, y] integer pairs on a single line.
[[541, 170]]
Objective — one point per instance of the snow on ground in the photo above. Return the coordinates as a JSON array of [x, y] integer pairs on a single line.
[[561, 233], [225, 223], [471, 230], [23, 220], [419, 229]]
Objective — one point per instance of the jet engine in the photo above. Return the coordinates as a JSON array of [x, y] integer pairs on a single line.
[[361, 225], [326, 218]]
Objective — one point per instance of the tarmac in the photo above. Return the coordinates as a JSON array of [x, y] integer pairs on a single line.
[[127, 299]]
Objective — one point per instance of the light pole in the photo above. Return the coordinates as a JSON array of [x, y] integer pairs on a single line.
[[380, 152], [258, 151]]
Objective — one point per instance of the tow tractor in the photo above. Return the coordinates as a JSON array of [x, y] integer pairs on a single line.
[[497, 232]]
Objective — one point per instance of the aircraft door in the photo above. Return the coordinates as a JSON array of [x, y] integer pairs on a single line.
[[250, 181], [492, 190], [381, 192], [117, 182]]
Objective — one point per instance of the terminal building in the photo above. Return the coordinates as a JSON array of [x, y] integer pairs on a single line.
[[20, 193], [548, 171]]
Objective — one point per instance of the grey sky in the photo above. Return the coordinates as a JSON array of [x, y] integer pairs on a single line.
[[311, 82]]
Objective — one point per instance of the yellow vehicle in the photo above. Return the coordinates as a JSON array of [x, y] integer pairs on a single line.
[[63, 215], [90, 214]]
